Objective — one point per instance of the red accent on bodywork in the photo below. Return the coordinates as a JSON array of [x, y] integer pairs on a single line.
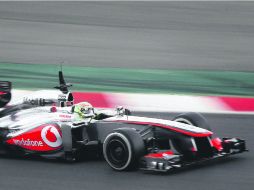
[[189, 133], [32, 140], [217, 144], [51, 136], [53, 109], [159, 155], [2, 93]]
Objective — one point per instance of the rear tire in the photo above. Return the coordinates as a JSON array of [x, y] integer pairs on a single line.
[[123, 148], [5, 99], [192, 118]]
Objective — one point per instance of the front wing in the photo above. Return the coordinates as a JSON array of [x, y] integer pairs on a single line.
[[167, 161]]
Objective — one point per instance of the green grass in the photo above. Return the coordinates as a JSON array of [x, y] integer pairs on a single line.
[[34, 76]]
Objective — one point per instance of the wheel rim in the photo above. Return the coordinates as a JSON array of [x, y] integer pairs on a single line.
[[117, 152]]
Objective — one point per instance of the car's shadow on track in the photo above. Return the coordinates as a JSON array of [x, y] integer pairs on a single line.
[[224, 162], [49, 161]]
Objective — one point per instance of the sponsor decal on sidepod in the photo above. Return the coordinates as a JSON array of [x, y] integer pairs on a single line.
[[54, 140], [43, 138]]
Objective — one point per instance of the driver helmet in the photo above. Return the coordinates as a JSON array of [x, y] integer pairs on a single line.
[[84, 110]]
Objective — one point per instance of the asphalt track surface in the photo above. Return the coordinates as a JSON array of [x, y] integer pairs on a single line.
[[166, 35], [233, 173]]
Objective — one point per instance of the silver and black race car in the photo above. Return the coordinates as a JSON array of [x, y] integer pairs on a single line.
[[35, 127]]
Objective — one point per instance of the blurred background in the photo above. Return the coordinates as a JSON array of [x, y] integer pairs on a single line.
[[204, 48]]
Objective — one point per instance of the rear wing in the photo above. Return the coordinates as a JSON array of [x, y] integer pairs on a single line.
[[5, 93], [5, 86]]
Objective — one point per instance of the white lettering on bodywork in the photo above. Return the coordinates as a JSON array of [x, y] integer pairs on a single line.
[[27, 142]]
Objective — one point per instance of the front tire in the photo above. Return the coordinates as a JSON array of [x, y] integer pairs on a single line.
[[192, 118], [123, 148]]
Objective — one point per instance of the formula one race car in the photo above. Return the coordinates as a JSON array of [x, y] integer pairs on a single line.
[[73, 131]]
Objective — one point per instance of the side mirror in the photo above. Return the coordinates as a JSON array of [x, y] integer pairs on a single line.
[[122, 111]]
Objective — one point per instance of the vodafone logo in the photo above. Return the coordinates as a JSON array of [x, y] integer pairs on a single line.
[[51, 136]]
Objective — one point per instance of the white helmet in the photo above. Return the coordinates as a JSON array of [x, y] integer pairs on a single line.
[[84, 109]]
